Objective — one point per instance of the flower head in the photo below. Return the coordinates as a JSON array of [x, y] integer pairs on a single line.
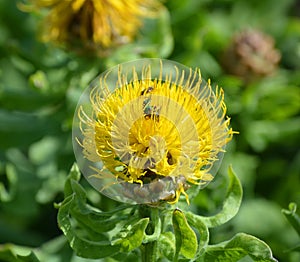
[[93, 24], [251, 55], [152, 129]]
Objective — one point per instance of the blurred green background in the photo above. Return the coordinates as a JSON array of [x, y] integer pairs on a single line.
[[40, 85]]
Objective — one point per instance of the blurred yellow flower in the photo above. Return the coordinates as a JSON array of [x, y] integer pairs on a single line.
[[151, 128], [93, 23]]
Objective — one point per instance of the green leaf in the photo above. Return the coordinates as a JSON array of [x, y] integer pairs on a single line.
[[74, 207], [98, 222], [14, 126], [7, 195], [14, 253], [156, 40], [132, 234], [37, 153], [56, 249], [186, 239], [261, 133], [82, 246], [296, 248], [231, 203], [29, 258], [292, 216], [52, 185], [240, 246], [268, 213], [166, 245], [6, 254], [75, 175], [159, 39], [78, 190], [91, 218], [84, 225], [202, 229], [39, 81]]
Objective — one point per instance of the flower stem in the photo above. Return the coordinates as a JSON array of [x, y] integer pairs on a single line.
[[149, 252], [149, 246]]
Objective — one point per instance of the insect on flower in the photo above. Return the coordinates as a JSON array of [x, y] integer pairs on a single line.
[[146, 131]]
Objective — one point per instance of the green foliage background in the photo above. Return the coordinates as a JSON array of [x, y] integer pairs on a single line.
[[40, 86]]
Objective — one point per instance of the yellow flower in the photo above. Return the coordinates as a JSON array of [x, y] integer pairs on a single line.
[[155, 134], [93, 23]]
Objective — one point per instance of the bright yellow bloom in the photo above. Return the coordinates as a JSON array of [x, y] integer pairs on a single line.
[[166, 130], [93, 23]]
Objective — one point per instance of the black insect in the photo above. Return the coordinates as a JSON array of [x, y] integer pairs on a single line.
[[150, 111], [147, 90]]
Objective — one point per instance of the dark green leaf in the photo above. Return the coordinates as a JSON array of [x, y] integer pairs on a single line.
[[97, 221], [84, 226], [82, 246]]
